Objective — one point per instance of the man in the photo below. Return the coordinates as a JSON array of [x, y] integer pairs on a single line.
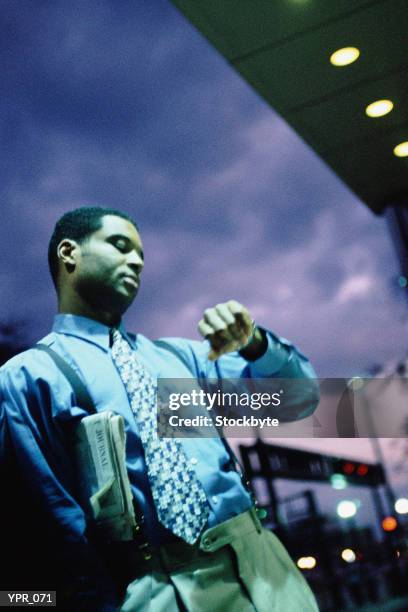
[[209, 553]]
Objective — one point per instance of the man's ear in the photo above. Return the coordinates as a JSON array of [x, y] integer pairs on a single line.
[[67, 252]]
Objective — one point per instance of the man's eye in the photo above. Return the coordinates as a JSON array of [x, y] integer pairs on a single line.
[[121, 245]]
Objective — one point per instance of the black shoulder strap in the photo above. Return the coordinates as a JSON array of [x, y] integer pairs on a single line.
[[82, 395], [85, 401]]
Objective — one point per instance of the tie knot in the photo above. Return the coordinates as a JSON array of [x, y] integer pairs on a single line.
[[116, 337]]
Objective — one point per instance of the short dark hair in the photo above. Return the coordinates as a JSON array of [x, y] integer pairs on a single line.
[[78, 225]]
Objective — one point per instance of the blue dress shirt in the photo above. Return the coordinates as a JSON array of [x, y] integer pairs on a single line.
[[38, 413]]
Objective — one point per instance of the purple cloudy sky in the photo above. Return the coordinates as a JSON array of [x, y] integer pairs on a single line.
[[124, 104]]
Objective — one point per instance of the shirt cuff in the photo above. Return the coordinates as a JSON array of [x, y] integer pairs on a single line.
[[274, 358]]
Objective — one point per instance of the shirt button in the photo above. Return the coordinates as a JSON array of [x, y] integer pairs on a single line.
[[215, 499], [194, 460]]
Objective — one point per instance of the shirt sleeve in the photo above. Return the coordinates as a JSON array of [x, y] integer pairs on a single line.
[[281, 360], [35, 449]]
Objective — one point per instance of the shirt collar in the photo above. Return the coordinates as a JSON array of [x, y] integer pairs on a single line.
[[89, 330]]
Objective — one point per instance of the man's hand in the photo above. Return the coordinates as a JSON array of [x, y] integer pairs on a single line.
[[228, 327]]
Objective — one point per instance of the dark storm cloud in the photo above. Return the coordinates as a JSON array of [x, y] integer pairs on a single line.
[[94, 77]]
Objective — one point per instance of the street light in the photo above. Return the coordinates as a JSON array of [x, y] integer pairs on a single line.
[[401, 505], [306, 562], [348, 555], [346, 508]]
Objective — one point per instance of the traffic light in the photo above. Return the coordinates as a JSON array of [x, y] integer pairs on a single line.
[[358, 473]]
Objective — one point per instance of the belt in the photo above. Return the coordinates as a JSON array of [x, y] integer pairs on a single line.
[[141, 560]]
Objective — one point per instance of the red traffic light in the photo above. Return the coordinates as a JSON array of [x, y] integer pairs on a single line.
[[359, 473], [362, 469], [349, 467]]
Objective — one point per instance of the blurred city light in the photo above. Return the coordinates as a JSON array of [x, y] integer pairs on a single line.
[[348, 555], [403, 281], [344, 56], [389, 523], [401, 505], [338, 481], [346, 508], [401, 150], [379, 108], [306, 562]]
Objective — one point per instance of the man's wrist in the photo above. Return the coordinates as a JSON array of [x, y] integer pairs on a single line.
[[256, 345]]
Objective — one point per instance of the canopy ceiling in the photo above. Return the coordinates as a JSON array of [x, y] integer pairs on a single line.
[[282, 48]]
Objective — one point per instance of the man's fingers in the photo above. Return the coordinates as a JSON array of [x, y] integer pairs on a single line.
[[215, 353], [225, 314], [244, 322], [227, 327], [229, 319], [215, 327], [212, 317], [238, 310], [205, 329], [217, 339]]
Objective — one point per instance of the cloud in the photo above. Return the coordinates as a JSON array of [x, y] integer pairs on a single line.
[[356, 287], [126, 105]]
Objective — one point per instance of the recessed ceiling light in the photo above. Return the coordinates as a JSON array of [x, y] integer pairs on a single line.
[[345, 56], [401, 150], [379, 108]]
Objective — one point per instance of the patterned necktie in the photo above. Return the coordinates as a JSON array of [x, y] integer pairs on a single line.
[[179, 498]]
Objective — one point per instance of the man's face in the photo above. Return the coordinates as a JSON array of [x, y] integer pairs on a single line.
[[109, 264]]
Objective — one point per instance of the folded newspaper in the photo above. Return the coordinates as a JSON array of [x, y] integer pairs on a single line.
[[104, 486]]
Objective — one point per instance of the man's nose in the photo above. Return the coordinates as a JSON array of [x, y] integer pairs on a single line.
[[135, 261]]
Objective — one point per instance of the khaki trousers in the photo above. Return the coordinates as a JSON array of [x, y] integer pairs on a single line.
[[237, 566]]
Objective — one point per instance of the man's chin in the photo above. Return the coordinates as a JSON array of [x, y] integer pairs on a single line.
[[124, 299]]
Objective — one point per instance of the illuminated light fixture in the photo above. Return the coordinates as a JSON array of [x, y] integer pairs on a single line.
[[338, 481], [379, 108], [348, 555], [345, 56], [306, 563], [346, 509], [389, 523], [401, 150], [401, 505]]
